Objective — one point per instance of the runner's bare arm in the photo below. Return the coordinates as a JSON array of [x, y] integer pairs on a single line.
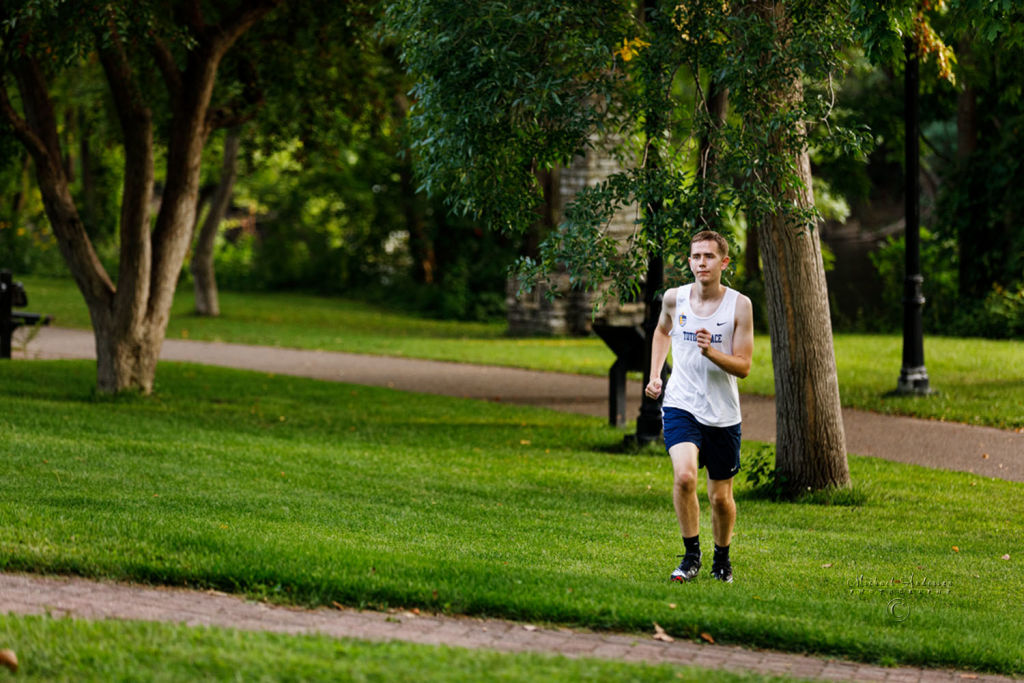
[[738, 363], [661, 343]]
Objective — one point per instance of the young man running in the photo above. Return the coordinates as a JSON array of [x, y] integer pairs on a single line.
[[710, 329]]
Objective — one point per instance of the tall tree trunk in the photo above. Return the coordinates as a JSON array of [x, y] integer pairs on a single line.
[[203, 275], [717, 105], [966, 110], [421, 244], [973, 231], [123, 356], [130, 321], [810, 437], [89, 199]]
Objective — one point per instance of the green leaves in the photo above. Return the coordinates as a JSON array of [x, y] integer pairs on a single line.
[[506, 89], [503, 90]]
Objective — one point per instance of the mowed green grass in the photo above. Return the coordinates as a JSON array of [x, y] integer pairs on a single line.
[[310, 492], [72, 650], [978, 381]]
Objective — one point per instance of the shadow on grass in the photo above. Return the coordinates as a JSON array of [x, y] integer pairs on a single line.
[[628, 445], [852, 496]]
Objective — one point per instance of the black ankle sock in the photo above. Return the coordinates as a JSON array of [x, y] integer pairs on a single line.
[[721, 553], [692, 545]]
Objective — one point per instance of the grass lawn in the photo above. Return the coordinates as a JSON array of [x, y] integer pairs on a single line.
[[979, 381], [311, 492], [74, 650]]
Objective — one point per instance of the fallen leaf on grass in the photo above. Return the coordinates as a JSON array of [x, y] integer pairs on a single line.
[[524, 442], [9, 659], [826, 566], [707, 636], [671, 605], [956, 549], [659, 634]]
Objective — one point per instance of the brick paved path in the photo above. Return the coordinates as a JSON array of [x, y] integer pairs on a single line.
[[85, 599]]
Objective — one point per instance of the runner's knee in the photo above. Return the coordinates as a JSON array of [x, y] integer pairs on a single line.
[[721, 499], [686, 481]]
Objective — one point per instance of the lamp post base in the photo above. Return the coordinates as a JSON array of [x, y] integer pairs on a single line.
[[913, 381]]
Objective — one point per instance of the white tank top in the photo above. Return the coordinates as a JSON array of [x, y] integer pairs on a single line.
[[696, 384]]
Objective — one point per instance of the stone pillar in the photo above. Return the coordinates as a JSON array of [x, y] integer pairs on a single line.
[[570, 313]]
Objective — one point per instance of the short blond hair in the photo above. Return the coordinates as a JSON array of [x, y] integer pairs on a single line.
[[711, 236]]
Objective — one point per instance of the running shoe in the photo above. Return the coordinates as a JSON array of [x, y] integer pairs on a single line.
[[688, 568], [722, 572]]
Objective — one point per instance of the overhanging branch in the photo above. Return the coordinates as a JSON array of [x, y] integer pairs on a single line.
[[38, 108], [229, 118], [224, 34], [168, 68], [32, 142]]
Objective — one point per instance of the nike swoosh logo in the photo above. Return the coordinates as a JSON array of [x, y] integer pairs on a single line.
[[720, 324]]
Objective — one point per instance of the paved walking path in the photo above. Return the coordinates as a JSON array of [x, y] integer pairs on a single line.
[[935, 444]]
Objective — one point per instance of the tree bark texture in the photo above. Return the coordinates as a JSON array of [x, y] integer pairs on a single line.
[[421, 243], [810, 437], [130, 319], [204, 278], [810, 442], [717, 104], [975, 237]]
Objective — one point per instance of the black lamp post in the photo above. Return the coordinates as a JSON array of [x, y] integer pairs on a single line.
[[913, 375]]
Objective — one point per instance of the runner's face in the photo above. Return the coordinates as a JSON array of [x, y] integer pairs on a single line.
[[706, 262]]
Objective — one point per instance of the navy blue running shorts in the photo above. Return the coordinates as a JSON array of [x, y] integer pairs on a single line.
[[718, 448]]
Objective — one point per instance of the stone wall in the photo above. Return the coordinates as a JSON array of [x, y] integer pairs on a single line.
[[570, 313]]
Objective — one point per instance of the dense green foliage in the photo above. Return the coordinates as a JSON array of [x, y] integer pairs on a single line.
[[311, 492], [549, 82], [973, 247], [325, 198]]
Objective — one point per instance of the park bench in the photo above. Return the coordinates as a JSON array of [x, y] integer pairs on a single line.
[[629, 345], [12, 295]]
